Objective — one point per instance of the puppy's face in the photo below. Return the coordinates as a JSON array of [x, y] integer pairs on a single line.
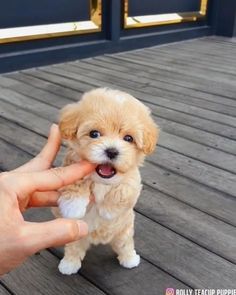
[[109, 128]]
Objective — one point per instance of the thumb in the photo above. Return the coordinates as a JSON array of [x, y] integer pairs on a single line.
[[53, 233]]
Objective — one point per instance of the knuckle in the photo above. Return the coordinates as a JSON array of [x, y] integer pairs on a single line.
[[59, 173]]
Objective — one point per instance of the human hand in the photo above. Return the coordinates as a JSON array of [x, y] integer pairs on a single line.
[[35, 184]]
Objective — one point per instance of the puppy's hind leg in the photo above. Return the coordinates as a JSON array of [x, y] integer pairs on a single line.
[[123, 245], [74, 254]]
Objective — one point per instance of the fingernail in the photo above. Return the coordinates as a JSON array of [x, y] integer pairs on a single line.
[[53, 126], [83, 228]]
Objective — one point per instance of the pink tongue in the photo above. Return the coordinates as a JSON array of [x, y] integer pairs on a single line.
[[105, 170]]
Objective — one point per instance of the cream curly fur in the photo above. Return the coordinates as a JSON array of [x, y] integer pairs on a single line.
[[110, 214]]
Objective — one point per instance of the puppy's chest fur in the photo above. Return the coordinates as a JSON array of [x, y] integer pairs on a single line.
[[94, 214], [101, 222], [99, 191]]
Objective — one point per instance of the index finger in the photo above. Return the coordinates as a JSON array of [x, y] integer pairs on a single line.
[[52, 179]]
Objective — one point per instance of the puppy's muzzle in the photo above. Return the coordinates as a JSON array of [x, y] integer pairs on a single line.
[[112, 153]]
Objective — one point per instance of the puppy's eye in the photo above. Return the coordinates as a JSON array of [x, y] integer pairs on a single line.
[[94, 134], [128, 138]]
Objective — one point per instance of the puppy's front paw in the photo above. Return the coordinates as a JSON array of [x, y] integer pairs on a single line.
[[105, 213], [68, 267], [131, 261], [74, 207]]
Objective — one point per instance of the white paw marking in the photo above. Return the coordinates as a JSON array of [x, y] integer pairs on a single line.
[[67, 267], [131, 262], [105, 214], [74, 207]]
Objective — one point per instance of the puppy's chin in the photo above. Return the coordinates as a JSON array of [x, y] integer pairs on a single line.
[[114, 180]]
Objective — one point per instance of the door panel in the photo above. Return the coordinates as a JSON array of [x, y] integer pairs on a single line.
[[149, 7], [15, 13]]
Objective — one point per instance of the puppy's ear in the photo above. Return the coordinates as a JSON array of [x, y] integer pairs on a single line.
[[150, 135], [69, 121]]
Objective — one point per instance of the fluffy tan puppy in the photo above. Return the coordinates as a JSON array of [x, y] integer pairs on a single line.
[[115, 131]]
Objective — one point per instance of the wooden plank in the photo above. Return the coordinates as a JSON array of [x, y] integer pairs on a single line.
[[60, 81], [197, 151], [219, 39], [190, 192], [24, 118], [49, 87], [199, 227], [195, 59], [223, 40], [29, 104], [182, 59], [201, 60], [155, 79], [36, 93], [182, 258], [152, 81], [232, 150], [164, 65], [178, 106], [54, 79], [176, 116], [21, 137], [205, 138], [196, 135], [39, 275], [192, 57], [3, 291], [105, 79], [163, 83], [196, 170], [212, 49], [206, 44], [206, 48], [210, 103], [199, 123], [17, 157], [25, 139], [163, 90], [193, 134], [163, 61], [188, 82]]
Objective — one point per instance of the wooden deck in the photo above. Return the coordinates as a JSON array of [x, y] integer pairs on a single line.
[[186, 216]]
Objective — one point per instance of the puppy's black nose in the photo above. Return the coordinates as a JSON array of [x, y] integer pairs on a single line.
[[112, 153]]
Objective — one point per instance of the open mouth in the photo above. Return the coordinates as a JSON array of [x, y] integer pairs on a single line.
[[105, 170]]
